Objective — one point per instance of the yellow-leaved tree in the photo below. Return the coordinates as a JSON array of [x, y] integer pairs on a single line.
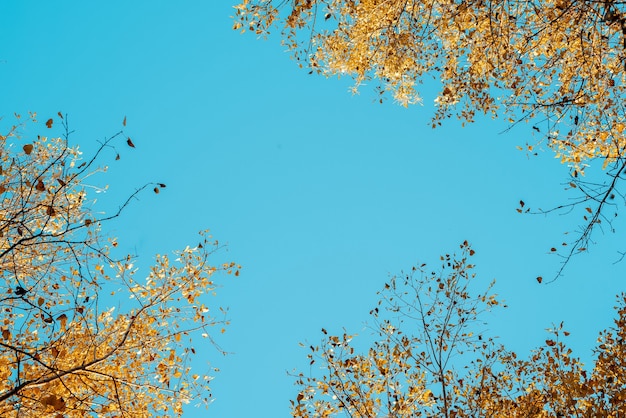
[[80, 334], [431, 358], [560, 64]]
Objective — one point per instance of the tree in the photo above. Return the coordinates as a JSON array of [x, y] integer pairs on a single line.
[[67, 348], [431, 358], [560, 64]]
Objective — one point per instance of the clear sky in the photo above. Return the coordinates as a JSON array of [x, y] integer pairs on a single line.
[[319, 194]]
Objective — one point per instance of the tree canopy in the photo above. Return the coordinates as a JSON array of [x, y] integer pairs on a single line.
[[431, 356], [81, 335], [560, 58], [559, 64]]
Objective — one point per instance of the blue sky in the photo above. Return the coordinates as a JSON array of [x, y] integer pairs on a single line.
[[319, 194]]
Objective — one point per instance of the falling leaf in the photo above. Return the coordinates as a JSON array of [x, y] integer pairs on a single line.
[[521, 203], [130, 143], [156, 190], [539, 279], [49, 123], [28, 148]]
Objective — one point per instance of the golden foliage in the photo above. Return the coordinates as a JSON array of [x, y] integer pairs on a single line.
[[67, 347], [431, 358], [561, 58]]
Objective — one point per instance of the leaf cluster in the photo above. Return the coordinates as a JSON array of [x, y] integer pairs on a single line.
[[67, 347]]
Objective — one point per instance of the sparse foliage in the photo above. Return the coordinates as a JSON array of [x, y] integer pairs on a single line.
[[81, 334], [431, 358]]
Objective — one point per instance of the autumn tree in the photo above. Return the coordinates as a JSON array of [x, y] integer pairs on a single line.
[[82, 332], [431, 357], [559, 64]]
